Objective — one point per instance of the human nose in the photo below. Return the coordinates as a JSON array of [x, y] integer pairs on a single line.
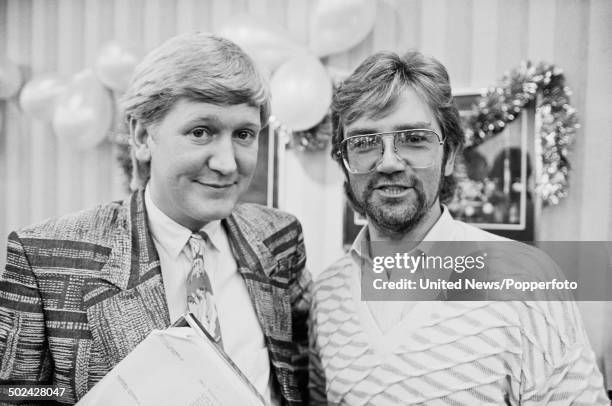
[[223, 158], [390, 161]]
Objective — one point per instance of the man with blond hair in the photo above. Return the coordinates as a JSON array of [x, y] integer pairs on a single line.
[[81, 291]]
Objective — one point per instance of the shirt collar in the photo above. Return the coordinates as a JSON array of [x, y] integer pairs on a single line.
[[214, 231], [442, 230], [361, 245], [170, 235]]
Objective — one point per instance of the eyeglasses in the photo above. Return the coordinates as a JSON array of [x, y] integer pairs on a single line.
[[416, 147]]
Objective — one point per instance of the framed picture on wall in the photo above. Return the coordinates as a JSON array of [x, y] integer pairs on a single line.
[[496, 186], [264, 188]]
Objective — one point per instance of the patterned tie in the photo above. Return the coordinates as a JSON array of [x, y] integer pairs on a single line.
[[200, 300]]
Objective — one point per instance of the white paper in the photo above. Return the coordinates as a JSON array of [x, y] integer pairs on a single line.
[[176, 366]]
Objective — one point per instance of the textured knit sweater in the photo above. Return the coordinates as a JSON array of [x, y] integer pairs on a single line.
[[462, 353], [447, 353]]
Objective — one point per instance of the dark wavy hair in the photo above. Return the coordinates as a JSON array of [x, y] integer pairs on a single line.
[[372, 90]]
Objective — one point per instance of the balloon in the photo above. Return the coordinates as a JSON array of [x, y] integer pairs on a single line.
[[301, 92], [269, 45], [39, 96], [337, 25], [83, 114], [10, 78], [115, 66]]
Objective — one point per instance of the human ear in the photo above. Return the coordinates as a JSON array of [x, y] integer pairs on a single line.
[[449, 165], [139, 136]]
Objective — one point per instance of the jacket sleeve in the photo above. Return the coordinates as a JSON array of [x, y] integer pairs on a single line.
[[300, 292], [312, 378], [23, 343]]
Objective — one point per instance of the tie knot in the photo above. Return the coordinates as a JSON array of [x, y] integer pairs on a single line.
[[196, 242]]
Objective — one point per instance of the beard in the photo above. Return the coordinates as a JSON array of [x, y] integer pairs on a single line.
[[390, 216]]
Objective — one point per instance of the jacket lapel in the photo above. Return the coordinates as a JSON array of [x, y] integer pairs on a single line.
[[268, 291], [144, 259], [248, 246], [127, 300]]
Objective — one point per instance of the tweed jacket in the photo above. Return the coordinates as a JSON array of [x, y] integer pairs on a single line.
[[80, 292]]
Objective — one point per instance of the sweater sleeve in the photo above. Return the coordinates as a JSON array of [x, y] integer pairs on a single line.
[[316, 381]]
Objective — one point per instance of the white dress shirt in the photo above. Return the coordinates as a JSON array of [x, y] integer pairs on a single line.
[[243, 339]]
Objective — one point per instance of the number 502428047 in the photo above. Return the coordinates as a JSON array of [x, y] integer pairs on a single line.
[[30, 392]]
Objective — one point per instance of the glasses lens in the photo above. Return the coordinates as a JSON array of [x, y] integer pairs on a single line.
[[418, 148], [363, 152]]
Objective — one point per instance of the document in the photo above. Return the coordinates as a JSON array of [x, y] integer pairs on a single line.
[[178, 366]]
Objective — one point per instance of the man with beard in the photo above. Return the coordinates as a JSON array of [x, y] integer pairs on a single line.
[[396, 135]]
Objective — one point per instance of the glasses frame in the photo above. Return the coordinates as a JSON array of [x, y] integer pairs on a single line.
[[381, 135]]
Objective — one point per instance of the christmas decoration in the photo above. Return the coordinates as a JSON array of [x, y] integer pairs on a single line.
[[544, 85], [482, 201]]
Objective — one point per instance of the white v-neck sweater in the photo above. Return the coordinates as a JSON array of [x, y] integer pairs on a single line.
[[462, 353], [445, 353]]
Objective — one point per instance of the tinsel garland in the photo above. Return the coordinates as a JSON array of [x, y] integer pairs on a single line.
[[544, 84]]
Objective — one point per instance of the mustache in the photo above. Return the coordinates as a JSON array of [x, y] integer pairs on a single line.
[[394, 178]]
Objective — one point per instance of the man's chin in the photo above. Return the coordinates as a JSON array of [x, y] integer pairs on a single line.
[[394, 211], [207, 210], [395, 224], [394, 218]]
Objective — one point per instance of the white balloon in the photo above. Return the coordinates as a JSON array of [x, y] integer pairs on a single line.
[[301, 92], [115, 66], [10, 78], [337, 25], [83, 115], [268, 44], [39, 96]]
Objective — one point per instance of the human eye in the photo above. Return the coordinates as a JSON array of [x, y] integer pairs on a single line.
[[200, 133], [245, 137], [414, 138], [363, 143]]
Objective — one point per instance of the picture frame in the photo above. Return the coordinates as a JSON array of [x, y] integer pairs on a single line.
[[264, 187], [504, 201]]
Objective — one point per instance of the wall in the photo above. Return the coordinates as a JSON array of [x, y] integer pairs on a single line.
[[477, 39]]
